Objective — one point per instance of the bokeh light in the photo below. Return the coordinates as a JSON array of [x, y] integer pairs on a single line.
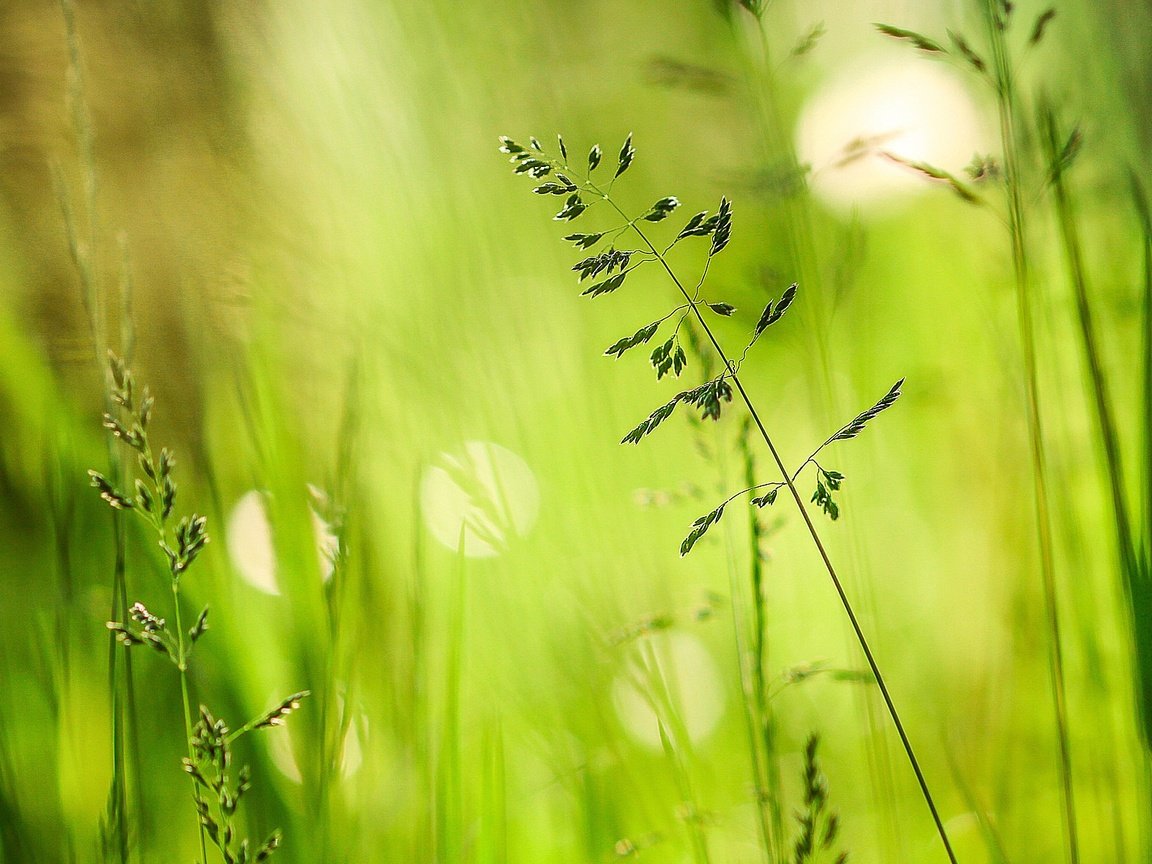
[[251, 547], [910, 108], [478, 498], [669, 678]]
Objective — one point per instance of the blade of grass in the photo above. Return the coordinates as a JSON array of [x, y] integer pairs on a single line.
[[449, 792], [61, 505], [988, 833], [126, 759], [1077, 276], [674, 741], [493, 845], [753, 663], [1130, 553], [1139, 594], [1006, 101]]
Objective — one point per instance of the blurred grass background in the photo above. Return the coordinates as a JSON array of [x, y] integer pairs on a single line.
[[334, 281]]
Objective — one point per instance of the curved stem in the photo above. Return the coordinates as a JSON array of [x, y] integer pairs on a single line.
[[182, 666]]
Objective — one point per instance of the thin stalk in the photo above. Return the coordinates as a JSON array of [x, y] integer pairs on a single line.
[[992, 843], [159, 521], [493, 840], [449, 776], [418, 726], [1006, 105], [1147, 388], [744, 634], [764, 730], [1146, 226], [827, 561], [752, 717], [186, 703], [1144, 546], [120, 679], [120, 711], [661, 701], [1105, 419], [1140, 587]]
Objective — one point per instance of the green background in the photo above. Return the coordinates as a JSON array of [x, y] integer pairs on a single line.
[[294, 221]]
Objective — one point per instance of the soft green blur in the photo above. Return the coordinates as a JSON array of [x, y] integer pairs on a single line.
[[301, 234]]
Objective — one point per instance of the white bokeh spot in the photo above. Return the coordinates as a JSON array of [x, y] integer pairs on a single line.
[[282, 749], [482, 496], [912, 109], [252, 551], [692, 679]]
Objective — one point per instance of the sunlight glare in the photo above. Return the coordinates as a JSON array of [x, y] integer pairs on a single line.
[[911, 108]]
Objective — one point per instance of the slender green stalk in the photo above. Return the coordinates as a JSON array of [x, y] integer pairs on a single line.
[[991, 837], [125, 752], [813, 534], [121, 708], [449, 804], [662, 703], [1131, 552], [1077, 275], [186, 705], [418, 724], [1146, 226], [761, 720], [160, 523], [1007, 109], [1139, 594], [1146, 545], [493, 840], [61, 512]]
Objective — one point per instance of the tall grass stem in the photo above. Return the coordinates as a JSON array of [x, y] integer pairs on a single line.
[[824, 557], [1006, 99]]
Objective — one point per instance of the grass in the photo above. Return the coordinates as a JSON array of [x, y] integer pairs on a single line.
[[997, 18], [209, 741], [709, 396], [357, 289], [1055, 153]]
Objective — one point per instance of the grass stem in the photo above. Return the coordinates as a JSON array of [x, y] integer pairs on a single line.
[[1006, 106], [812, 532], [186, 704]]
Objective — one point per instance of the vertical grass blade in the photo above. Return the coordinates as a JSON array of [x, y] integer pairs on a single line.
[[1128, 552], [449, 777], [114, 827], [1006, 100], [753, 663], [1140, 573]]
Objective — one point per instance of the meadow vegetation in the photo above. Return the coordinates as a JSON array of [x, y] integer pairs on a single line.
[[815, 617]]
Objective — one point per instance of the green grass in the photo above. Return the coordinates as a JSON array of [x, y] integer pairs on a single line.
[[331, 282]]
